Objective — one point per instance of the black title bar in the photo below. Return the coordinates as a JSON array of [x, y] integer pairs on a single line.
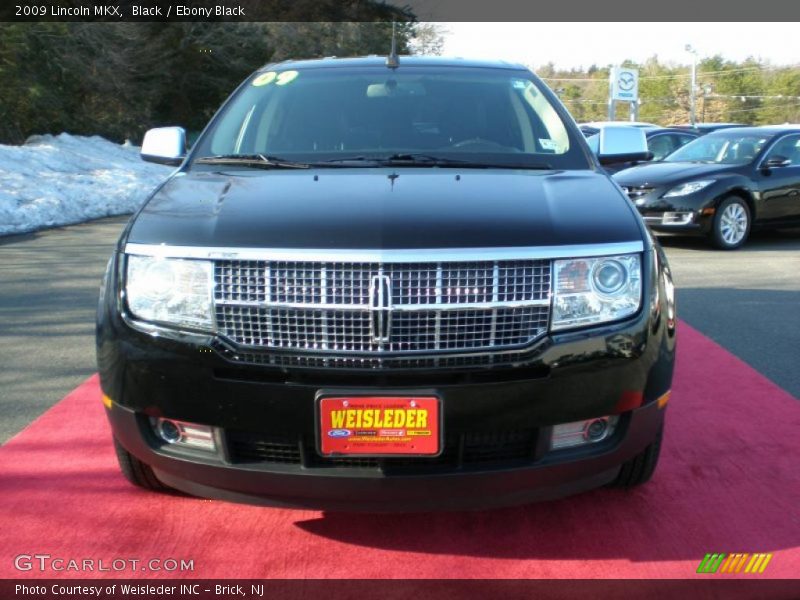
[[398, 10]]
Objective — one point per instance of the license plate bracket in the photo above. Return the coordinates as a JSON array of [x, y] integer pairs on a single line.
[[379, 426]]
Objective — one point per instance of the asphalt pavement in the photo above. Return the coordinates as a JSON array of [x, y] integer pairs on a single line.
[[49, 282], [748, 301]]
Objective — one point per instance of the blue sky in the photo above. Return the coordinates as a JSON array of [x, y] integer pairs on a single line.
[[582, 44]]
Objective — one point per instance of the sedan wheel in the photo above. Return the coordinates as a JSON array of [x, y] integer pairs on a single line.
[[731, 224]]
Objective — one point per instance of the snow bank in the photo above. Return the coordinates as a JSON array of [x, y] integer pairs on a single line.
[[64, 179]]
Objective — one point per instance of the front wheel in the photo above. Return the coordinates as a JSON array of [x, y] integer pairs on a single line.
[[731, 225], [641, 467], [137, 472]]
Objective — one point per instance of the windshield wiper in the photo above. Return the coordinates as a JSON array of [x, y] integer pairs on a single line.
[[429, 160], [264, 161], [423, 159], [416, 160]]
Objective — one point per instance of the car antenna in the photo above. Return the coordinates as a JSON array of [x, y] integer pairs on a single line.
[[393, 61]]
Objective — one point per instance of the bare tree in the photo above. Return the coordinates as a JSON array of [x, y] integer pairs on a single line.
[[428, 39]]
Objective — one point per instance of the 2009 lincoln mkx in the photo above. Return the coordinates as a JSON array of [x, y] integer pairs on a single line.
[[387, 284]]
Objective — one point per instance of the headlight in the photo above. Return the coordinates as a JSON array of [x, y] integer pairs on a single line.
[[685, 189], [596, 290], [171, 291]]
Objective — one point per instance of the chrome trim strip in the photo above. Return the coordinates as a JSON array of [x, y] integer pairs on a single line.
[[437, 328], [387, 256], [394, 307], [323, 276], [319, 353], [660, 221], [172, 332], [495, 299]]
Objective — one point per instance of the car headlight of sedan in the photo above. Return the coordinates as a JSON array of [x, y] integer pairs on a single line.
[[171, 291], [690, 187], [596, 290]]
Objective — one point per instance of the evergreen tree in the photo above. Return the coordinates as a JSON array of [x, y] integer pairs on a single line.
[[119, 79]]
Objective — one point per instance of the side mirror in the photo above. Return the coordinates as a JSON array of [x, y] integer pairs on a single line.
[[775, 162], [164, 145], [622, 144]]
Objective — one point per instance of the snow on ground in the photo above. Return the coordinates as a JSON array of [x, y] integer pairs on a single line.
[[65, 179]]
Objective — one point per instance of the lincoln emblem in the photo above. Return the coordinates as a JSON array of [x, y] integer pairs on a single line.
[[380, 306]]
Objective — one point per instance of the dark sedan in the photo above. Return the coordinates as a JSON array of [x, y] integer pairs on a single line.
[[722, 185], [704, 128]]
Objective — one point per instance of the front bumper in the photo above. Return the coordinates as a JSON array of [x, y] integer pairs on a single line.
[[678, 221], [693, 213], [554, 475]]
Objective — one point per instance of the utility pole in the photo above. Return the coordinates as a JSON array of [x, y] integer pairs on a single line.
[[707, 88], [612, 104], [692, 99]]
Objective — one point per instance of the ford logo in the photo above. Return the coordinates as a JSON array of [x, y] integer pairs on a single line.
[[339, 433]]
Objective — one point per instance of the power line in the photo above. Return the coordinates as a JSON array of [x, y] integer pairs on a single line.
[[673, 99], [795, 104], [740, 110], [682, 75], [756, 96]]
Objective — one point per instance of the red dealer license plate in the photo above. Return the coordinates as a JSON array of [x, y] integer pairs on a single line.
[[379, 426]]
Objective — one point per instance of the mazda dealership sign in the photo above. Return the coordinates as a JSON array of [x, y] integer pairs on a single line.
[[624, 84]]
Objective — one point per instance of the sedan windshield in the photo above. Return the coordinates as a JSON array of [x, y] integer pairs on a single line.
[[721, 148], [410, 116]]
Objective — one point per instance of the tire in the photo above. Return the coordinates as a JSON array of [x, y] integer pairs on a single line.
[[137, 472], [732, 223], [640, 468]]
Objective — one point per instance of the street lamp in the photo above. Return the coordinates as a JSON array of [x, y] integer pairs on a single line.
[[693, 52]]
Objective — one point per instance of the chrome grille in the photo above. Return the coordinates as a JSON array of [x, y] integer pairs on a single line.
[[431, 307], [308, 283]]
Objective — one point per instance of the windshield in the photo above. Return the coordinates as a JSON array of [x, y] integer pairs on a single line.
[[467, 115], [721, 148]]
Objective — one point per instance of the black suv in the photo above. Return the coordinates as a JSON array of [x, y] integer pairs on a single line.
[[376, 286]]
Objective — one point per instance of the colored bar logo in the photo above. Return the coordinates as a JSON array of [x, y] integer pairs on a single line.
[[734, 563]]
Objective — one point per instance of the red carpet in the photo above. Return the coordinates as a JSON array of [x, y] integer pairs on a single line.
[[729, 481]]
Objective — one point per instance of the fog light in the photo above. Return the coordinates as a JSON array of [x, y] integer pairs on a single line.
[[181, 433], [168, 431], [581, 433], [677, 218], [596, 429]]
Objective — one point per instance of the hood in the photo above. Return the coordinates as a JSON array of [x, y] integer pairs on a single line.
[[669, 173], [369, 208]]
